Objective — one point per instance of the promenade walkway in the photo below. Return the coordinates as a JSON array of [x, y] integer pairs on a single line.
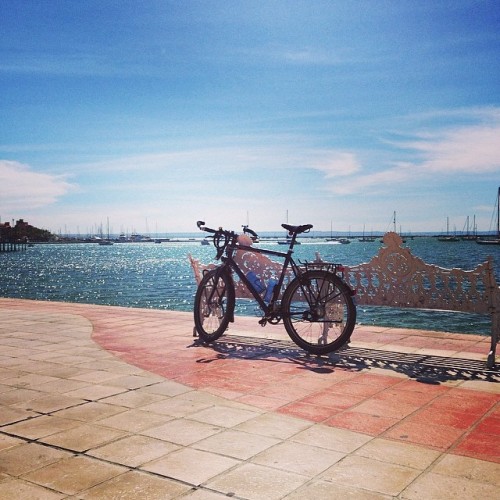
[[108, 402]]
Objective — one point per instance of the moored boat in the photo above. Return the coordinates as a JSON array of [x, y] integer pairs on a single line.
[[496, 239]]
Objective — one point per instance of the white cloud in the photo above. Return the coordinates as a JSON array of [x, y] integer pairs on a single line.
[[473, 149], [339, 164], [23, 188], [467, 150]]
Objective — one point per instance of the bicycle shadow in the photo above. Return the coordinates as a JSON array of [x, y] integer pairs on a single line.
[[423, 368]]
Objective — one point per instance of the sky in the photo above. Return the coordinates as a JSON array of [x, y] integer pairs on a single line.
[[337, 113]]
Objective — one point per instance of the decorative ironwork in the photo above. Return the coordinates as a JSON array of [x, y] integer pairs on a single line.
[[396, 278]]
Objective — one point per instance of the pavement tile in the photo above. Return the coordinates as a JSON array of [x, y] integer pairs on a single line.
[[17, 489], [75, 474], [312, 412], [60, 386], [386, 408], [468, 468], [83, 437], [26, 457], [191, 466], [235, 444], [166, 388], [331, 438], [274, 425], [95, 376], [9, 415], [362, 422], [408, 455], [490, 425], [263, 402], [90, 411], [134, 485], [133, 450], [134, 420], [133, 399], [176, 407], [457, 418], [204, 494], [9, 441], [439, 437], [480, 445], [40, 427], [436, 487], [223, 416], [255, 482], [300, 458], [48, 403], [95, 392], [326, 490], [333, 400], [133, 381], [11, 395], [29, 380], [372, 475], [182, 431]]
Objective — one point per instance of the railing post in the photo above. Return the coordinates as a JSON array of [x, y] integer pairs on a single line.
[[494, 309]]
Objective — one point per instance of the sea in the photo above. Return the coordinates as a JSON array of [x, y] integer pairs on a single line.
[[159, 275]]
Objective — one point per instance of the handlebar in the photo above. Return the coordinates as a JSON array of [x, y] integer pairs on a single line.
[[305, 228], [222, 238]]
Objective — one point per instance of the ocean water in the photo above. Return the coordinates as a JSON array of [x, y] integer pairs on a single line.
[[159, 276]]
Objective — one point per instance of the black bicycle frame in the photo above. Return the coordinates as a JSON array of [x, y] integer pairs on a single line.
[[229, 261]]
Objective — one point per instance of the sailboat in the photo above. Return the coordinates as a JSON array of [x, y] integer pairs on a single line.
[[106, 242], [394, 229], [448, 238], [366, 239], [496, 240]]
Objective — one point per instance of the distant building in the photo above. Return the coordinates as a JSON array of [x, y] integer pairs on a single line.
[[22, 231]]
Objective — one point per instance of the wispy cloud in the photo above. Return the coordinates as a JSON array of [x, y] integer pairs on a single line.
[[474, 149], [435, 154], [24, 188], [339, 164]]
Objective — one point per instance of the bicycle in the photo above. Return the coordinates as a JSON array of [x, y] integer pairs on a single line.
[[314, 302]]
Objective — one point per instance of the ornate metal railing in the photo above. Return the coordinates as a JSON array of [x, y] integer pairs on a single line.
[[395, 277]]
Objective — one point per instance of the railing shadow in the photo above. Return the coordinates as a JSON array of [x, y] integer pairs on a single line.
[[424, 368]]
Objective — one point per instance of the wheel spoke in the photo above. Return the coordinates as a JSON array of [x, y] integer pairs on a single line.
[[319, 314]]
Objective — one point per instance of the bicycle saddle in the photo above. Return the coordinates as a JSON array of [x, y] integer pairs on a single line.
[[297, 229]]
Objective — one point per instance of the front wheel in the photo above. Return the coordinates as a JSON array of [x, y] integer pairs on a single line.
[[213, 305], [318, 311]]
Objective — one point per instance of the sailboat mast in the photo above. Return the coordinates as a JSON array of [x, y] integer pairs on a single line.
[[498, 213]]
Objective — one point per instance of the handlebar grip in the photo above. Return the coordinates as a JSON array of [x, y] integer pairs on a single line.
[[202, 227], [246, 229]]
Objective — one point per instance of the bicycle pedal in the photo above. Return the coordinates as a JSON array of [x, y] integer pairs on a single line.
[[263, 322]]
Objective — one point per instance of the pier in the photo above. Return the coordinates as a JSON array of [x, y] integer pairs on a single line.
[[12, 246]]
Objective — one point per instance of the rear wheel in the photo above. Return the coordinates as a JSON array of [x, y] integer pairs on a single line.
[[318, 312], [213, 305]]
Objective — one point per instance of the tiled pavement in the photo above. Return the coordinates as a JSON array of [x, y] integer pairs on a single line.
[[106, 402]]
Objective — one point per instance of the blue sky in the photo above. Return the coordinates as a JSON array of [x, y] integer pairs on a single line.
[[155, 114]]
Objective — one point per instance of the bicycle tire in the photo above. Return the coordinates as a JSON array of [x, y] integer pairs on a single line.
[[319, 313], [213, 305]]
